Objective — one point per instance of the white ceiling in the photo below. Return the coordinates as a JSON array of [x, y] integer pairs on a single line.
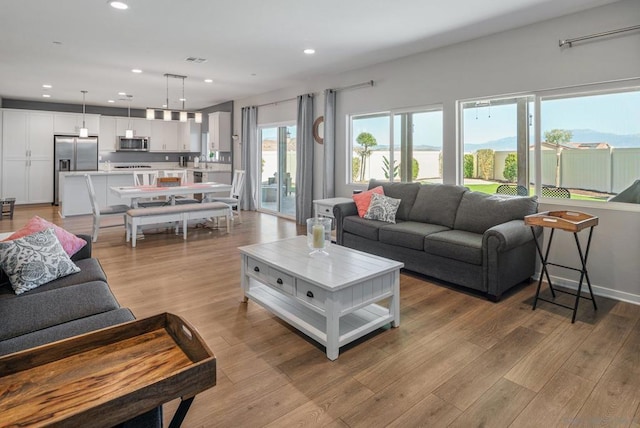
[[251, 46]]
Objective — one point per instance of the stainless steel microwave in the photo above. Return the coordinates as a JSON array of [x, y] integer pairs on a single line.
[[134, 144]]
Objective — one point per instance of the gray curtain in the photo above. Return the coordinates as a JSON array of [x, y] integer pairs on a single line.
[[304, 159], [329, 184], [250, 156]]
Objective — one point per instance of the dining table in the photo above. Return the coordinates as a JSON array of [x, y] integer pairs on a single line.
[[135, 193]]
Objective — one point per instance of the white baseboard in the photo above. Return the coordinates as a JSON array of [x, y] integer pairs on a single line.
[[597, 289]]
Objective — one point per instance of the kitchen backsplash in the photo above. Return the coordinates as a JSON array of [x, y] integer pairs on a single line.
[[147, 157]]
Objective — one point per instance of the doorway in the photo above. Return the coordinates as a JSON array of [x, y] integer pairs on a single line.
[[278, 170]]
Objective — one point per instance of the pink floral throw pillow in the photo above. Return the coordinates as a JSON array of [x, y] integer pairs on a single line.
[[70, 242]]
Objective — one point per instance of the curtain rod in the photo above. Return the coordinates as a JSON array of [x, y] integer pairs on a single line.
[[570, 42], [356, 86], [277, 102]]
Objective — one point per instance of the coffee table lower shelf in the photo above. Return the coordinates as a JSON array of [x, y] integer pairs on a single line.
[[313, 322]]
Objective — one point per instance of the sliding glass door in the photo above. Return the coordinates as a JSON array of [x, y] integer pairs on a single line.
[[278, 170]]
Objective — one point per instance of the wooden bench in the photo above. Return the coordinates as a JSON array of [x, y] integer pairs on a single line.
[[137, 217]]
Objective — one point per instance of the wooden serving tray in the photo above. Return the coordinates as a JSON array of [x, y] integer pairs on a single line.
[[572, 221], [105, 377]]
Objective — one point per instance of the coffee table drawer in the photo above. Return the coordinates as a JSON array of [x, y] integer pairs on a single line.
[[257, 269], [281, 281], [310, 293]]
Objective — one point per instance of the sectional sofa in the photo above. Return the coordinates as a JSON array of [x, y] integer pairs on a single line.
[[448, 232]]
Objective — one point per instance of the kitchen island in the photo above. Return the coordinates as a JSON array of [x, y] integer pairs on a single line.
[[74, 196]]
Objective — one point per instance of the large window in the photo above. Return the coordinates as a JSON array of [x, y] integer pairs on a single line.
[[397, 146], [496, 135], [590, 145]]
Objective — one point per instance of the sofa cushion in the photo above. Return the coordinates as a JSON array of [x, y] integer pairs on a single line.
[[90, 270], [408, 234], [382, 208], [406, 192], [65, 330], [34, 260], [437, 204], [362, 227], [478, 211], [456, 244], [30, 312], [363, 199]]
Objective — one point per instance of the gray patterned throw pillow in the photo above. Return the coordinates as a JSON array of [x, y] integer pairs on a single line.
[[35, 260], [382, 208]]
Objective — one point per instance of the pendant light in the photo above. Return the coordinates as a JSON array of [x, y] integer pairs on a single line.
[[84, 132], [167, 113], [183, 113], [128, 133]]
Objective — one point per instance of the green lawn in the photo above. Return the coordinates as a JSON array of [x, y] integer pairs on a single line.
[[491, 188]]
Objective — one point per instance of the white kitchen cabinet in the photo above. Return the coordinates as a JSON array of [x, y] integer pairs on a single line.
[[107, 139], [164, 136], [141, 127], [27, 156], [70, 123], [189, 136], [220, 131]]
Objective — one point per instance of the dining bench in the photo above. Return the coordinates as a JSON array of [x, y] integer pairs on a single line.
[[177, 214]]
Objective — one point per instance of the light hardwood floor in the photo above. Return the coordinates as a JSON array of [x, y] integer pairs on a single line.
[[457, 359]]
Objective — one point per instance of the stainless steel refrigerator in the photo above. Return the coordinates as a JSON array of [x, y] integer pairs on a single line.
[[73, 154]]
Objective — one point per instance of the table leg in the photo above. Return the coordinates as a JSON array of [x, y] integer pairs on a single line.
[[181, 412], [395, 301], [583, 274], [333, 329]]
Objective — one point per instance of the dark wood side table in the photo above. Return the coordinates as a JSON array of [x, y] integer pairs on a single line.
[[106, 377], [570, 221]]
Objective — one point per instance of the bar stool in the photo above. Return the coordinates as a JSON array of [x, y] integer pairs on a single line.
[[7, 205], [570, 221]]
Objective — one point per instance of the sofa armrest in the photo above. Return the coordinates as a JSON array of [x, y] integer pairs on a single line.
[[85, 252], [510, 235], [340, 211]]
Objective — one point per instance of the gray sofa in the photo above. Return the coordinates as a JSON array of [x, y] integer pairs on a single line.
[[66, 307], [450, 233]]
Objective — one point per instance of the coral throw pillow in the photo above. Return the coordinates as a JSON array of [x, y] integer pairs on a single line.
[[363, 200], [70, 242]]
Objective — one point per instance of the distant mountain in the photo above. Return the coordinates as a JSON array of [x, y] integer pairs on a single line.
[[579, 136]]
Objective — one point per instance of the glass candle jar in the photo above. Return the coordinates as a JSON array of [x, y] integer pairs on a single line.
[[318, 235]]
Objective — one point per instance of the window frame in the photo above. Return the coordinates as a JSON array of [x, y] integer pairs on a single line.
[[390, 114]]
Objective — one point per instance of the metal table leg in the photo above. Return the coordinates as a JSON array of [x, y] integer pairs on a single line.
[[181, 412]]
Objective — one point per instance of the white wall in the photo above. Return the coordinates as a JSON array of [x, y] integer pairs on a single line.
[[527, 59]]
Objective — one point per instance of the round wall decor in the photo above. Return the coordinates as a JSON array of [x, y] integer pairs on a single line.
[[316, 129]]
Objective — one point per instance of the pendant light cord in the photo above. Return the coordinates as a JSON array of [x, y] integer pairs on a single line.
[[84, 93]]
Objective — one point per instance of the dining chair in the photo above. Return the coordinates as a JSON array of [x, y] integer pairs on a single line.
[[235, 196], [98, 213], [182, 175], [145, 178]]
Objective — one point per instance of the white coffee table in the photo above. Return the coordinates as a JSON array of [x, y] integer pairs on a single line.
[[332, 299]]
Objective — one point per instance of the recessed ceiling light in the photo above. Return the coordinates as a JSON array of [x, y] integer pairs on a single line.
[[208, 80], [110, 101], [122, 93], [182, 99], [164, 106], [46, 96], [47, 86], [309, 51], [136, 70], [119, 5]]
